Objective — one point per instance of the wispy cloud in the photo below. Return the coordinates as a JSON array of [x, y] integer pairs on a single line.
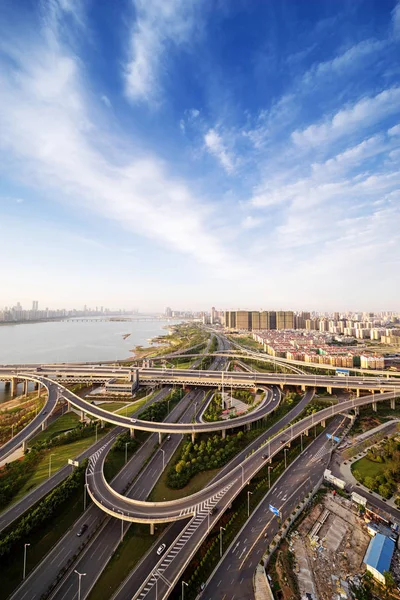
[[46, 125], [396, 20], [365, 112], [159, 26], [216, 147]]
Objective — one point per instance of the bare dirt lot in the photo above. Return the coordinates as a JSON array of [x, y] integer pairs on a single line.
[[335, 551]]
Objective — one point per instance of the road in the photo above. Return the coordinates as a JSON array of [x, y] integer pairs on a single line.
[[135, 510], [43, 576], [233, 578], [143, 573]]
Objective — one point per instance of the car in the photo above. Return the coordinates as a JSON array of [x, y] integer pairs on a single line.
[[82, 530], [282, 442], [161, 549], [265, 456], [213, 510], [168, 438], [44, 412], [133, 420]]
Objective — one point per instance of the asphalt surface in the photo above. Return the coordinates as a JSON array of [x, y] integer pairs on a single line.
[[133, 510], [45, 573], [143, 573], [17, 510], [233, 578]]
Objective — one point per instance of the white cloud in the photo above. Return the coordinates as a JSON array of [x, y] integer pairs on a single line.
[[394, 130], [159, 24], [216, 147], [251, 222], [364, 113], [106, 100], [396, 20], [48, 138]]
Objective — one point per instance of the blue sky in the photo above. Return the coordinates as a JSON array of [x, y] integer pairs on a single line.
[[193, 153]]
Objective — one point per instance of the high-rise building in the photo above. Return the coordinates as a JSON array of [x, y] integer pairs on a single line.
[[284, 319], [213, 315], [35, 305], [168, 312], [243, 319]]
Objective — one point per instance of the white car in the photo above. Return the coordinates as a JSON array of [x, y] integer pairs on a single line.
[[161, 549], [133, 420]]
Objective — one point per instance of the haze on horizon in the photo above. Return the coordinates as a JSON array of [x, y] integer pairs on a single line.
[[191, 153]]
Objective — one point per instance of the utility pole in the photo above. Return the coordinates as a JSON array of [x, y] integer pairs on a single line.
[[221, 529], [24, 571], [248, 503]]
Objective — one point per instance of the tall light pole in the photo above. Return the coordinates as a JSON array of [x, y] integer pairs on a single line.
[[126, 452], [301, 441], [24, 571], [96, 431], [285, 450], [163, 458], [269, 477], [84, 496], [248, 503], [50, 464], [80, 575], [183, 588], [221, 529], [12, 431]]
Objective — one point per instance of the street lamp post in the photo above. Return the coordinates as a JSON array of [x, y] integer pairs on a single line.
[[242, 467], [50, 464], [285, 450], [301, 441], [126, 452], [96, 431], [248, 503], [84, 496], [163, 458], [221, 529], [183, 588], [80, 575], [24, 571], [269, 477]]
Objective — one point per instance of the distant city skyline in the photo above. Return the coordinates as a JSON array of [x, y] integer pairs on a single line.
[[200, 153]]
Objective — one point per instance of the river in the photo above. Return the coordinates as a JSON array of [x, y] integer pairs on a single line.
[[74, 341]]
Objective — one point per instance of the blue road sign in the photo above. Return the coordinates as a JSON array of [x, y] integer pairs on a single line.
[[335, 439], [342, 372], [274, 510]]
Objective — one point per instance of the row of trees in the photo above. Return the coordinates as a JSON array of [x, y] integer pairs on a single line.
[[158, 411], [79, 432], [212, 453], [44, 511], [14, 475]]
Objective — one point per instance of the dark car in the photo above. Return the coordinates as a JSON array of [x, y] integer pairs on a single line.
[[282, 441], [82, 530], [265, 456], [213, 510]]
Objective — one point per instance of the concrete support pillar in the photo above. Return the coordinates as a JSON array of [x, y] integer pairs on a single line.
[[329, 389], [44, 425], [357, 411], [193, 437], [103, 424], [323, 423], [306, 432], [223, 434], [24, 445], [382, 391], [82, 416], [36, 385], [151, 528], [13, 387], [248, 426], [303, 388], [26, 383], [374, 407], [69, 408], [358, 393], [393, 403], [281, 386], [132, 431], [159, 438]]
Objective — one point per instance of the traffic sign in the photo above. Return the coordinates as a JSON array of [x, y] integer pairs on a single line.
[[274, 510], [335, 439], [74, 463]]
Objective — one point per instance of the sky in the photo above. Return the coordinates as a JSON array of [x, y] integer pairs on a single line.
[[198, 153]]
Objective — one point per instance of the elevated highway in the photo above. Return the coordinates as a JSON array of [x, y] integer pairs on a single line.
[[223, 490]]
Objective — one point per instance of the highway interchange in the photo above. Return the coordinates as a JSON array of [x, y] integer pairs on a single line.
[[192, 514]]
